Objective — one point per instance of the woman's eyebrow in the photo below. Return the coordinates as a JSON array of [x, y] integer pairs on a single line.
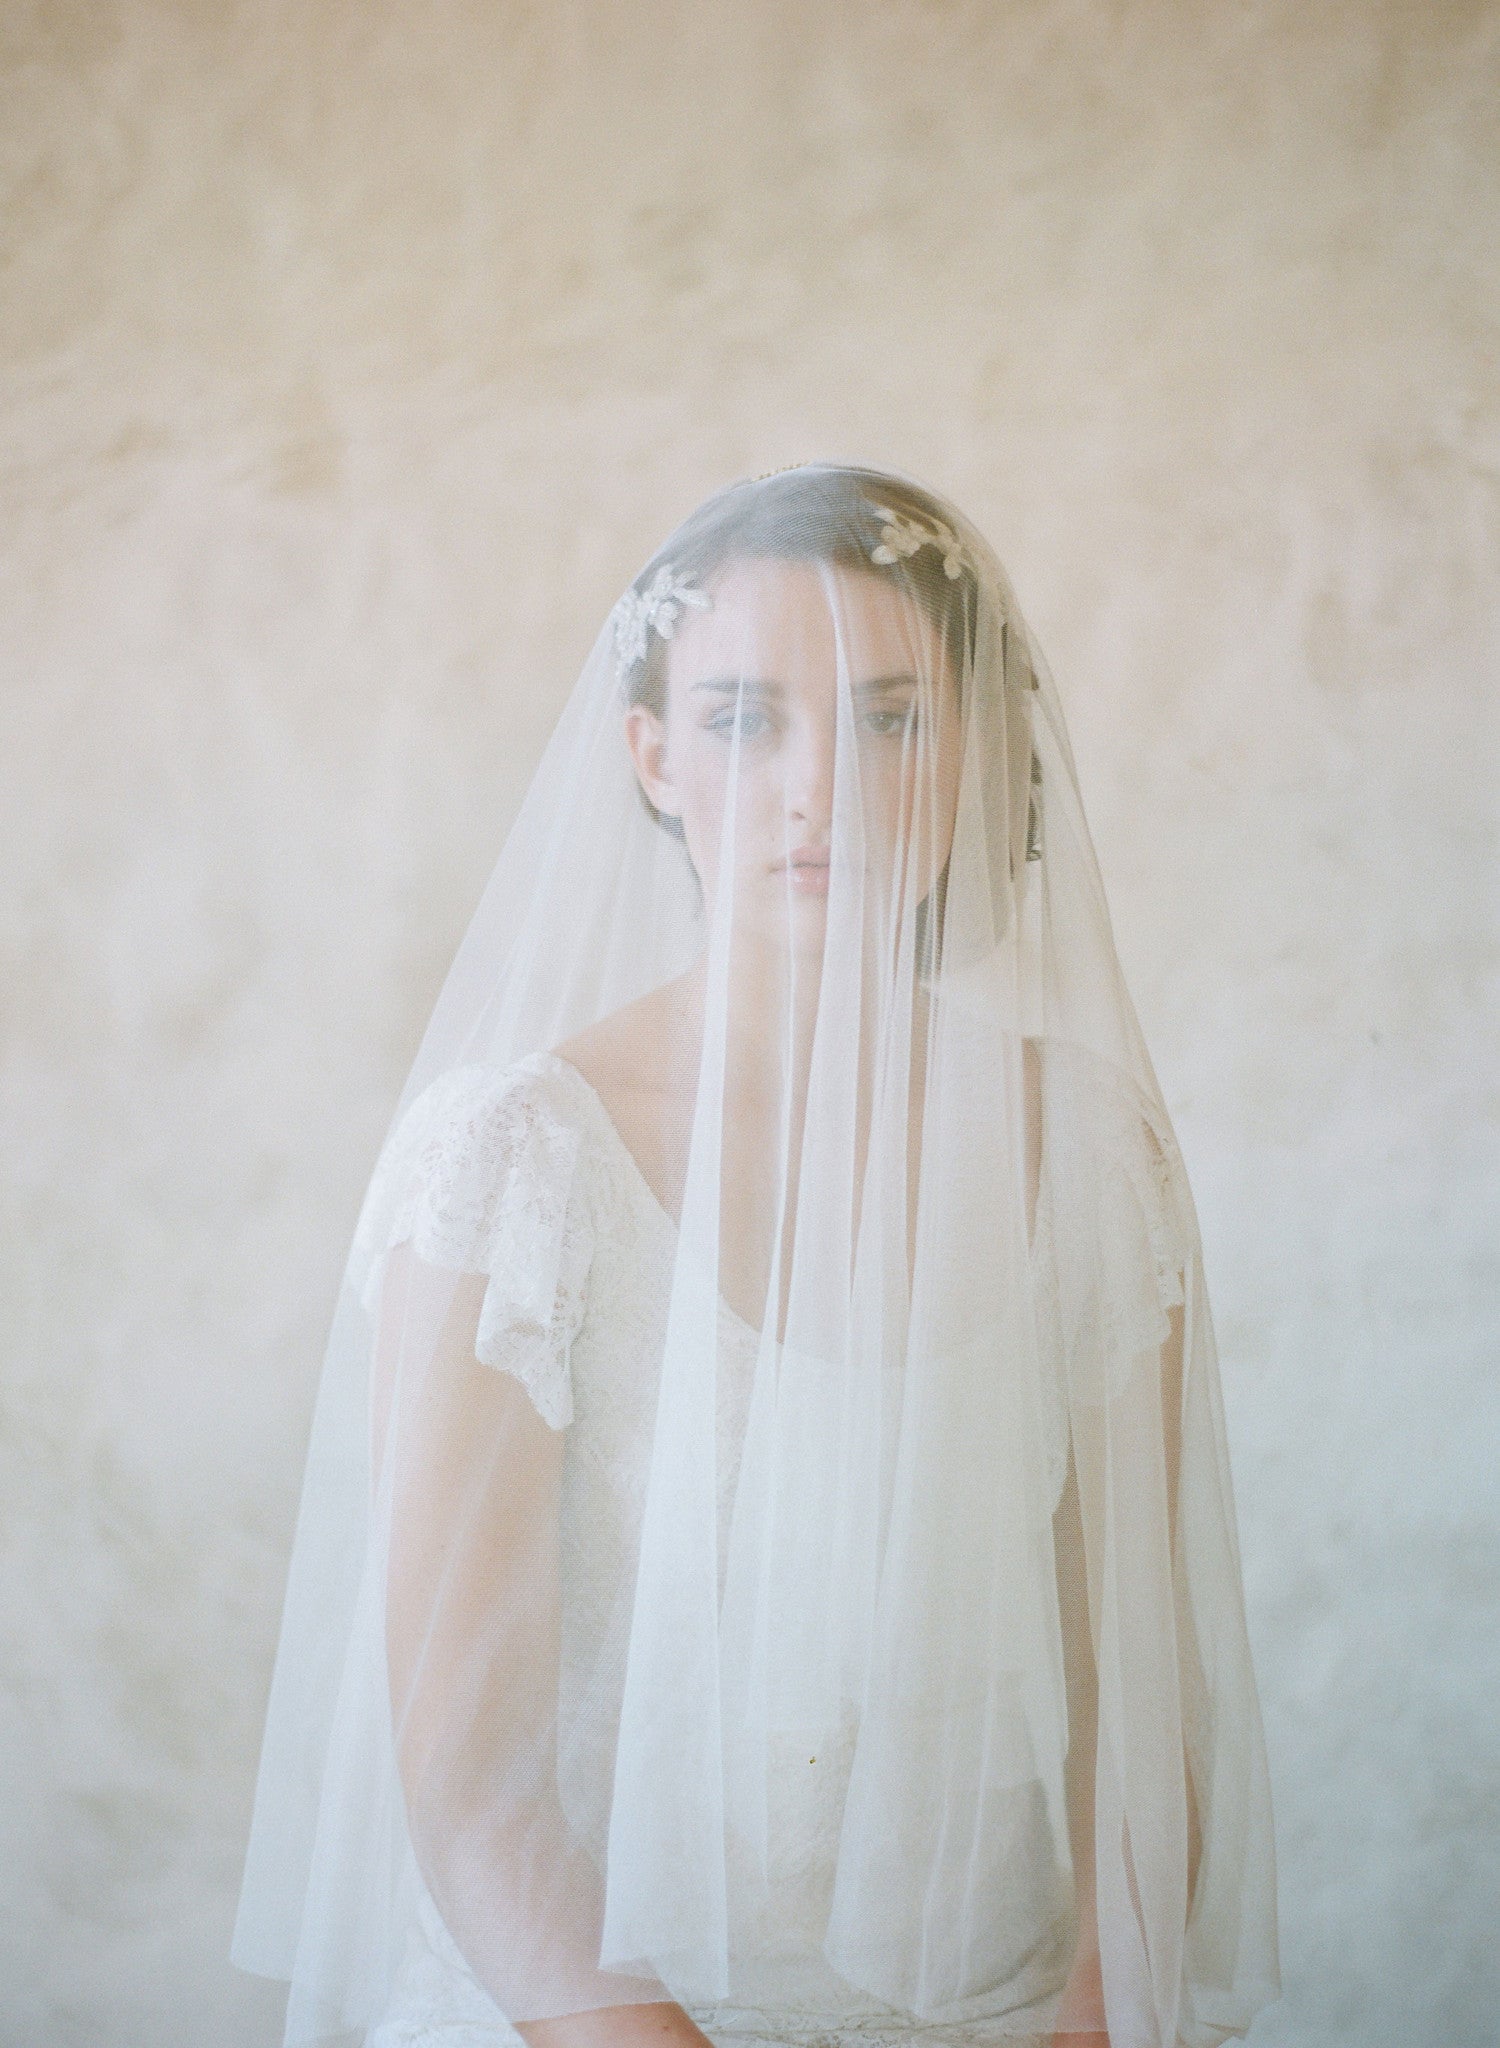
[[732, 686], [750, 686], [876, 684]]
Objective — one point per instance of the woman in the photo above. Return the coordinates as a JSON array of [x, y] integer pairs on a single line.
[[767, 1567]]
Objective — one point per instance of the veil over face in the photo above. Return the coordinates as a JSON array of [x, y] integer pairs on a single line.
[[768, 1538]]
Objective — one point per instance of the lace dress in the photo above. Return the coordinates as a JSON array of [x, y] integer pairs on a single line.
[[520, 1174]]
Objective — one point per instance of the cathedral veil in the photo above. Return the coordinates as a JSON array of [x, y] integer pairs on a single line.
[[924, 1545]]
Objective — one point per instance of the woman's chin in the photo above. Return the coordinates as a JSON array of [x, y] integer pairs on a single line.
[[797, 926], [800, 920]]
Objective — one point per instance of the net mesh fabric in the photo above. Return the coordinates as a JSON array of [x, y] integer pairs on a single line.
[[768, 1539]]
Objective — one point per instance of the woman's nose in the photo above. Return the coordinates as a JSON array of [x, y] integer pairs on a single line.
[[809, 777]]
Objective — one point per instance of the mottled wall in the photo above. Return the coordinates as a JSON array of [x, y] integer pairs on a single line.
[[352, 355]]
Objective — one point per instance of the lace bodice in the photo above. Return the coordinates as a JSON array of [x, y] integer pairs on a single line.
[[520, 1175]]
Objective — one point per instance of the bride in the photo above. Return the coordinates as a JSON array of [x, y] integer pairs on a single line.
[[767, 1567]]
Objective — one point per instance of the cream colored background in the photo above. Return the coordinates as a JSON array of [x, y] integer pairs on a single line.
[[354, 355]]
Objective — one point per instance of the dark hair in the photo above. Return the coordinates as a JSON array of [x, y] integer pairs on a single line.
[[814, 514]]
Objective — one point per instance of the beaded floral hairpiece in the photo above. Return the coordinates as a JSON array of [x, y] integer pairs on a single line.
[[657, 609], [659, 606], [901, 536]]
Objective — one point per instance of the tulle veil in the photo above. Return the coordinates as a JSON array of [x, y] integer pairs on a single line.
[[929, 1544]]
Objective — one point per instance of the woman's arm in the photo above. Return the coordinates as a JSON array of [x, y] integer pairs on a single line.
[[1081, 2013], [663, 2025], [1080, 2018], [472, 1632]]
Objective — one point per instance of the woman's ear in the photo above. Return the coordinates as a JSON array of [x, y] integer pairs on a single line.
[[646, 737]]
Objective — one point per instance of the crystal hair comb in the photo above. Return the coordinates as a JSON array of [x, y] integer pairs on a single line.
[[657, 608]]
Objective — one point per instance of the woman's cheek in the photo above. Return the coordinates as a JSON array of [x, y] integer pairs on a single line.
[[892, 804], [704, 783]]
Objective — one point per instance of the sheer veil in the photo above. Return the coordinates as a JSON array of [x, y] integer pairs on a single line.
[[908, 1535]]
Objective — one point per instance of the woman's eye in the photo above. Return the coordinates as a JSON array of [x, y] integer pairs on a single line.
[[752, 723], [887, 724]]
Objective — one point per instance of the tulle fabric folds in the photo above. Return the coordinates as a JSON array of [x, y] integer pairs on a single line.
[[768, 1538]]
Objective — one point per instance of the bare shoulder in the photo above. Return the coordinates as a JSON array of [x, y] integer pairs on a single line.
[[643, 1056], [641, 1062], [630, 1050]]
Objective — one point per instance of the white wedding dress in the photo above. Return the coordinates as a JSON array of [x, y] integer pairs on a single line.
[[831, 1685], [520, 1175]]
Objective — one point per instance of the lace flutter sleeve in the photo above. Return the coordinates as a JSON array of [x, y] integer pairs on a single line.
[[1115, 1227], [482, 1176]]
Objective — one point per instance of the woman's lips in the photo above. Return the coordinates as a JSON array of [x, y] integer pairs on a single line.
[[807, 874]]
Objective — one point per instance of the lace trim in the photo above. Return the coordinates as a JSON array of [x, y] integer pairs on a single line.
[[1115, 1230], [479, 1177], [753, 2027]]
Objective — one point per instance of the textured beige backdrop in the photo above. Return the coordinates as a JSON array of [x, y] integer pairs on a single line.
[[354, 355]]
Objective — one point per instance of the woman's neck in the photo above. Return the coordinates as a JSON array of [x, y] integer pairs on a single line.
[[771, 1004]]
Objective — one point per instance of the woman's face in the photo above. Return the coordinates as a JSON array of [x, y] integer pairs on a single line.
[[844, 779]]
